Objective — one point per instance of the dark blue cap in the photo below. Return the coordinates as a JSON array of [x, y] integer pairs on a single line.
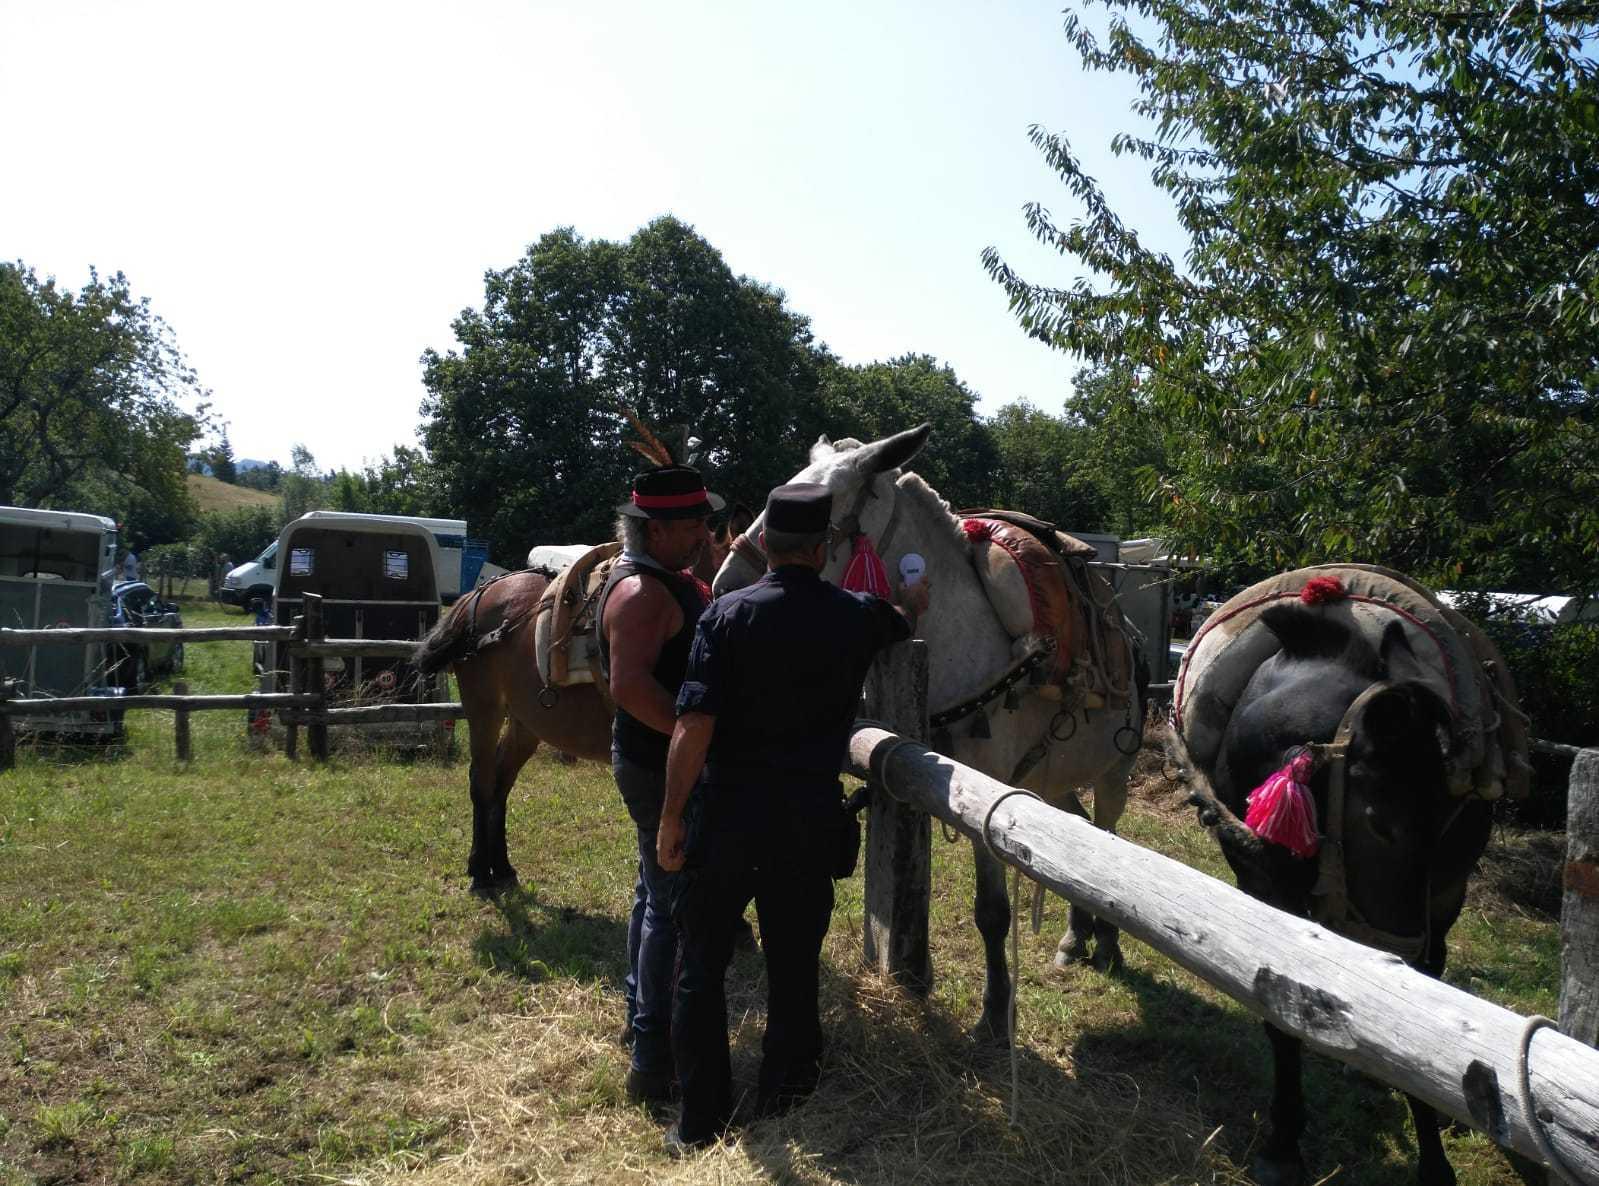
[[800, 508]]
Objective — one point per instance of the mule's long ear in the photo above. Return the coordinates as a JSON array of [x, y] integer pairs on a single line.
[[822, 448], [892, 452], [1307, 633], [1399, 659]]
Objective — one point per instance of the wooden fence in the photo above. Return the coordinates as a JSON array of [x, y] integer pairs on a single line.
[[1467, 1057], [305, 704]]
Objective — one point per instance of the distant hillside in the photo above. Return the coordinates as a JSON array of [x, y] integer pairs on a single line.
[[214, 495]]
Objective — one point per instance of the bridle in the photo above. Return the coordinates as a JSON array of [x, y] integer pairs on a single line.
[[747, 546], [1330, 904]]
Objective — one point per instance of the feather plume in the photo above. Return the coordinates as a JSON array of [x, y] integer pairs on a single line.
[[650, 447]]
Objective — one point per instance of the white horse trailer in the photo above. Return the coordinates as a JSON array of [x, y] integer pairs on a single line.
[[56, 571]]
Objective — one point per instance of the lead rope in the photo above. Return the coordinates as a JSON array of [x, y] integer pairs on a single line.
[[1529, 1114], [1015, 949]]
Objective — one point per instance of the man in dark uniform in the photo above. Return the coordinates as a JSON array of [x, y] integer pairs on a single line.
[[646, 614], [765, 710]]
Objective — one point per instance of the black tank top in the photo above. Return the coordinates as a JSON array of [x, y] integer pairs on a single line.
[[631, 737]]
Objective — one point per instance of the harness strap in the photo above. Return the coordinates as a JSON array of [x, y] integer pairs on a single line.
[[1330, 903]]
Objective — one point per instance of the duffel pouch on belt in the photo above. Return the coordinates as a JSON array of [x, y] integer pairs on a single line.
[[848, 853]]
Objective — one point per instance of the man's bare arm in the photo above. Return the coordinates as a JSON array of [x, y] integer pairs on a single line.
[[691, 741], [640, 616]]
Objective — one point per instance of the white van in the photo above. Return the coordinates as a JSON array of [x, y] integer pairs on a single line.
[[461, 562]]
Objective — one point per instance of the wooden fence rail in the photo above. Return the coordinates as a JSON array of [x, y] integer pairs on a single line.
[[68, 635], [1362, 1006]]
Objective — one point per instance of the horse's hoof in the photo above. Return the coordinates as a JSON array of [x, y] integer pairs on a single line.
[[1108, 957], [1072, 953], [990, 1033], [1270, 1172]]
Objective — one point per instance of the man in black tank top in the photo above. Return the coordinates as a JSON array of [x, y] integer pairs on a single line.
[[647, 612]]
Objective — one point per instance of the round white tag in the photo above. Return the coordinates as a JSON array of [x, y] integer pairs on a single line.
[[911, 568]]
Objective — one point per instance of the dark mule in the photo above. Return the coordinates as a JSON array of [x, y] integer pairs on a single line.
[[1408, 844], [498, 676]]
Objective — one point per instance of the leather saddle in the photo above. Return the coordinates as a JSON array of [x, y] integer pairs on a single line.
[[564, 637], [1040, 586]]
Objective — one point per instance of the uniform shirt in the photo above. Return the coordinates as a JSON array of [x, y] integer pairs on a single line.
[[780, 665]]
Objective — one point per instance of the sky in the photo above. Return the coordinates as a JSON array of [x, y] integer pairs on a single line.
[[309, 194]]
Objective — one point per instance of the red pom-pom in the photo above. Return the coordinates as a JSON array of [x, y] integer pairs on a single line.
[[1323, 591], [977, 529], [1282, 811]]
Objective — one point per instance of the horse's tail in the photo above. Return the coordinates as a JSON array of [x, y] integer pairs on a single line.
[[447, 641]]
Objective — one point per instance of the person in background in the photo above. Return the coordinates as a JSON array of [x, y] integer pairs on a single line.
[[130, 564], [763, 717]]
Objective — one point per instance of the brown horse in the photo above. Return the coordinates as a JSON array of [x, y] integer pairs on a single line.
[[487, 638]]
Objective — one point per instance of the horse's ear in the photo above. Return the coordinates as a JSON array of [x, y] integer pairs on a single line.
[[822, 448], [1304, 632], [892, 452], [1399, 660]]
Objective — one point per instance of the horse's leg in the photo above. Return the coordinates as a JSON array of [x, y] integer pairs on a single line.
[[992, 908], [1280, 1163], [1110, 800], [486, 724], [516, 746], [1074, 944], [1432, 1167]]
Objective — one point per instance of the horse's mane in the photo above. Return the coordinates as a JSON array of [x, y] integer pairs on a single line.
[[911, 486]]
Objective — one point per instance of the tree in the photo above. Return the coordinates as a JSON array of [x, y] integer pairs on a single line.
[[880, 398], [92, 388], [1043, 469], [220, 459], [1381, 344], [304, 487], [523, 423]]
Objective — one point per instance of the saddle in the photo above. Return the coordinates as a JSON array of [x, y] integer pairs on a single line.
[[1039, 583], [564, 637]]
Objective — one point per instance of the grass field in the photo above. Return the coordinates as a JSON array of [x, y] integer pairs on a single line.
[[211, 494], [252, 970]]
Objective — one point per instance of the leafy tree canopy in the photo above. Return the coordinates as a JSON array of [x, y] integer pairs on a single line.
[[1382, 342], [523, 421], [879, 398], [1044, 468], [92, 395]]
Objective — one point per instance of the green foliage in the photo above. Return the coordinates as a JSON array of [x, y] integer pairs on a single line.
[[1382, 343], [261, 477], [1556, 669], [239, 534], [1046, 468], [401, 484], [881, 398], [304, 487], [220, 458], [523, 423], [91, 388]]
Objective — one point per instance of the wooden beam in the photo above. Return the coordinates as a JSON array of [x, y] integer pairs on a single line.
[[41, 707], [1362, 1006], [316, 632], [377, 713], [1579, 911], [899, 837], [340, 648], [65, 635]]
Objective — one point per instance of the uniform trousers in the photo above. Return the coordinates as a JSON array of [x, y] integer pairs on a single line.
[[651, 940], [777, 849]]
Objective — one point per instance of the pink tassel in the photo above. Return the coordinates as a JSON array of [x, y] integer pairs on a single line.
[[866, 573], [1282, 811]]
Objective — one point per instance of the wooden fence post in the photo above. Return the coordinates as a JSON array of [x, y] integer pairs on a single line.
[[291, 730], [899, 838], [1579, 911], [316, 631], [181, 728], [8, 739]]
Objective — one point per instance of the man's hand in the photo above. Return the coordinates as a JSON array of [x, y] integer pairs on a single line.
[[669, 843], [914, 599]]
